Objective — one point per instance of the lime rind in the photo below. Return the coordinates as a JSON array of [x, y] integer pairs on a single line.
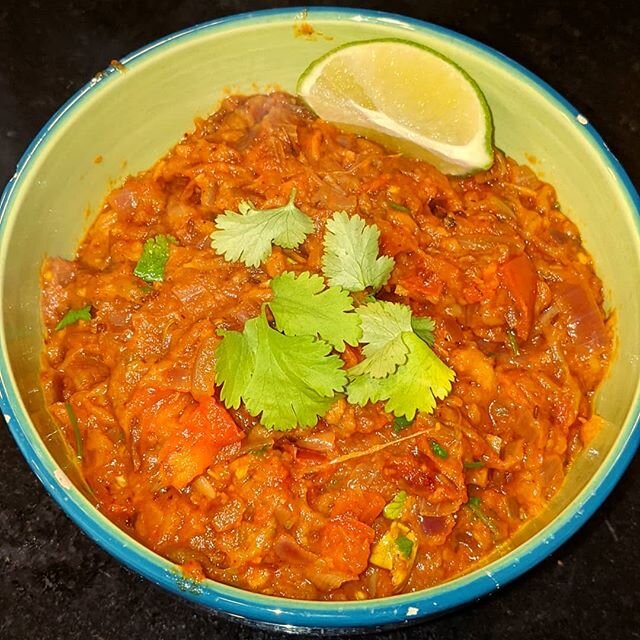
[[475, 155]]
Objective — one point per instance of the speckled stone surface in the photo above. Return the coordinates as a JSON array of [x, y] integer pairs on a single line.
[[56, 583]]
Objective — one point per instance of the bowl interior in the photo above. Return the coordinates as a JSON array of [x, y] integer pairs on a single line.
[[131, 117]]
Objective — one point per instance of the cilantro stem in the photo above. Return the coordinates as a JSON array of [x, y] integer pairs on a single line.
[[513, 342], [366, 452], [398, 207], [475, 504]]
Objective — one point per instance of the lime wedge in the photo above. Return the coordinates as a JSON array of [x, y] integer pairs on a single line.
[[407, 96]]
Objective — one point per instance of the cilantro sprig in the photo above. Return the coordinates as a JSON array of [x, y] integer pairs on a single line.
[[302, 305], [287, 373], [414, 386], [383, 324], [249, 236], [288, 380], [350, 257], [399, 366]]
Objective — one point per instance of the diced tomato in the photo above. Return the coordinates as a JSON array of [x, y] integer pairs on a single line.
[[520, 278], [361, 504], [157, 411], [203, 431], [211, 416], [346, 542]]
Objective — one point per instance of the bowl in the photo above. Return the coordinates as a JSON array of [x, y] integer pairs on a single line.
[[134, 111]]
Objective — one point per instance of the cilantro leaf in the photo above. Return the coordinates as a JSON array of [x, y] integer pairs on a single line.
[[383, 324], [405, 546], [303, 306], [425, 328], [248, 236], [288, 380], [413, 387], [393, 510], [350, 257], [73, 315], [153, 260], [235, 362]]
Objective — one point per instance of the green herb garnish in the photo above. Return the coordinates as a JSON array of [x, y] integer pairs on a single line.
[[249, 236], [350, 257], [393, 510], [401, 423], [383, 324], [405, 546], [475, 504], [413, 387], [288, 380], [73, 315], [302, 305], [294, 359], [398, 207], [512, 341], [438, 449], [473, 464], [153, 261], [424, 327]]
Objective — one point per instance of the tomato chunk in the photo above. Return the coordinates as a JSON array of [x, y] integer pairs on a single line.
[[345, 542], [520, 278], [202, 432]]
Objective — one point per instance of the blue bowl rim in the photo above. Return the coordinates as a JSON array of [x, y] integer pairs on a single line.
[[292, 614]]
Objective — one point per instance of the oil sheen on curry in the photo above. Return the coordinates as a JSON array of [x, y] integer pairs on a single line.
[[294, 362]]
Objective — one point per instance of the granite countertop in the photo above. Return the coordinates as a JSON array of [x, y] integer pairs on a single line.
[[55, 582]]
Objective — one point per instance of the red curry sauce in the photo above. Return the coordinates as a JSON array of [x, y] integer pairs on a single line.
[[518, 312]]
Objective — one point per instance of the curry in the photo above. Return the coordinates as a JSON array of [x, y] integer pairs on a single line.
[[361, 502]]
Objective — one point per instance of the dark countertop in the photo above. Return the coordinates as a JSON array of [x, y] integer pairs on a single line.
[[55, 582]]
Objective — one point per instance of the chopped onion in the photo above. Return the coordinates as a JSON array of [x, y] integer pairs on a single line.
[[322, 441]]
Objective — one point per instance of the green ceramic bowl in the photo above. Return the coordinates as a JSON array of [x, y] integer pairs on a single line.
[[132, 115]]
